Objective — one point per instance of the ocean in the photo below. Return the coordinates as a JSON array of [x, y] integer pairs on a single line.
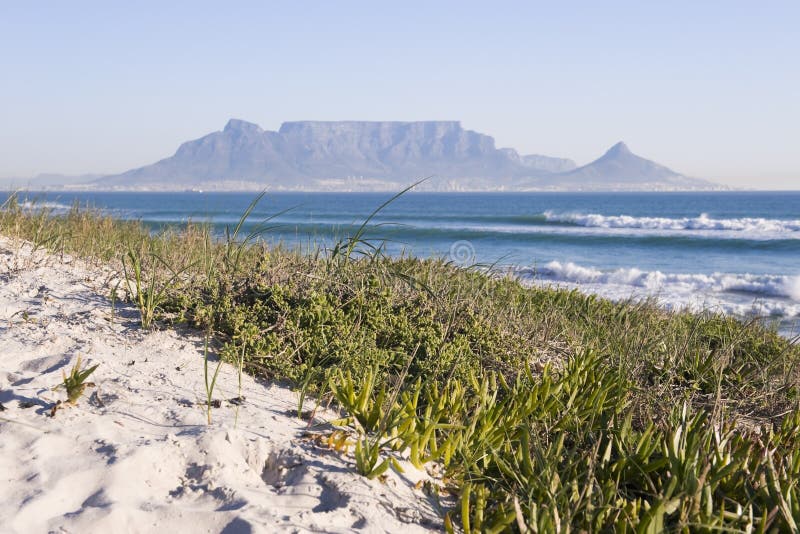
[[733, 252]]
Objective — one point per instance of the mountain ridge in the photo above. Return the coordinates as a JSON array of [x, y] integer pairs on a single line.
[[382, 155]]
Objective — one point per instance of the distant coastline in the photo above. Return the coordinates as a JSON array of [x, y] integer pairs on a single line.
[[354, 187]]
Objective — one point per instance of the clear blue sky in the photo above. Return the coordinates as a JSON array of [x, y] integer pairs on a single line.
[[709, 88]]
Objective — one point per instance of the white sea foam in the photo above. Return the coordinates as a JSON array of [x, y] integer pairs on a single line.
[[755, 225], [759, 284], [793, 288], [738, 294], [55, 206]]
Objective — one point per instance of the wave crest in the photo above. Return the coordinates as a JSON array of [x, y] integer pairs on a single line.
[[45, 205], [759, 284], [737, 294], [703, 222]]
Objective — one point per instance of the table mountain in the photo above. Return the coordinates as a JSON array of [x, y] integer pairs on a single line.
[[361, 155]]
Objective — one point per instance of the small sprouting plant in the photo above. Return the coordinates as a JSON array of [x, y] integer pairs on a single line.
[[75, 382], [212, 382], [368, 456], [114, 297]]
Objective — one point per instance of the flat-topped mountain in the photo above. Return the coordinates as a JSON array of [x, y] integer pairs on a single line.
[[392, 150], [337, 155], [362, 155]]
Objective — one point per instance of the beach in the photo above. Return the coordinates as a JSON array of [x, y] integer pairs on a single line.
[[450, 398], [136, 454]]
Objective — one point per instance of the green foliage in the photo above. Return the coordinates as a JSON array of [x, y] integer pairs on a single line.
[[75, 382], [210, 380], [144, 283]]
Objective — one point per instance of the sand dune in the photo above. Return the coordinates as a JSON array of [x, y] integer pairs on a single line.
[[135, 454]]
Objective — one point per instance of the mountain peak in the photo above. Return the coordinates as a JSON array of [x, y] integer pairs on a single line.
[[618, 150], [238, 125], [620, 169]]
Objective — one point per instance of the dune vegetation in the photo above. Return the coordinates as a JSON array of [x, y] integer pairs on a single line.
[[538, 410]]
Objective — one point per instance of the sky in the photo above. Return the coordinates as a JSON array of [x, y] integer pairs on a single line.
[[708, 88]]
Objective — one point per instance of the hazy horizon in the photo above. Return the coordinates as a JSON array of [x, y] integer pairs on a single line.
[[707, 90]]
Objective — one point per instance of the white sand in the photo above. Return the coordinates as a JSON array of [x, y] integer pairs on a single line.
[[135, 454]]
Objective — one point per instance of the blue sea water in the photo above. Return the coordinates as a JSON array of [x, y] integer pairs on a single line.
[[735, 252]]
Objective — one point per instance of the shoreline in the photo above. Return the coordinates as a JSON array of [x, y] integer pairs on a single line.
[[772, 293]]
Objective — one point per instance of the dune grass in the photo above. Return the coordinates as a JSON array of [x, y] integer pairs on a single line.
[[541, 410]]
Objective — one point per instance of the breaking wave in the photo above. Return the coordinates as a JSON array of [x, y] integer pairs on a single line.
[[703, 222], [740, 294], [52, 206], [758, 284]]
